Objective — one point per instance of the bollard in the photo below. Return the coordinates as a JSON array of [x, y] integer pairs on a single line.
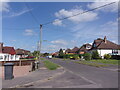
[[8, 71]]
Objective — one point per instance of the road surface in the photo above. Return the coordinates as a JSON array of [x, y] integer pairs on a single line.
[[102, 77]]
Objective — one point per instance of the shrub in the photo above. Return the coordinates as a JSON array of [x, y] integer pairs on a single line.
[[87, 56], [107, 56], [75, 56], [95, 55], [66, 56]]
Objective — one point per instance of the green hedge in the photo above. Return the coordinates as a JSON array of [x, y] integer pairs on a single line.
[[87, 56]]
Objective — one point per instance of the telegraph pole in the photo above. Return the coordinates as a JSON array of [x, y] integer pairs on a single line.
[[40, 37]]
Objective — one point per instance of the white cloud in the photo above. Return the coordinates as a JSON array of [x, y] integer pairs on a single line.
[[57, 22], [13, 40], [29, 32], [4, 6], [110, 24], [59, 42], [14, 14], [109, 8], [90, 16]]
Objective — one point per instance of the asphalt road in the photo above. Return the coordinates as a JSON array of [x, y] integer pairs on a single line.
[[101, 77]]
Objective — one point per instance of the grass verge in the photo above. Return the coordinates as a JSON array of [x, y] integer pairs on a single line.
[[42, 58], [50, 65], [110, 61], [91, 64]]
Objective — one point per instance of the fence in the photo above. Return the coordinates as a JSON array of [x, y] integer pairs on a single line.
[[17, 63]]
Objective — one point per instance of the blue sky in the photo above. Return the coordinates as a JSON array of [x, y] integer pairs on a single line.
[[21, 29]]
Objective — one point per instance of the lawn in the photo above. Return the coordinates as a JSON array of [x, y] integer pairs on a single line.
[[50, 65], [110, 61], [42, 58]]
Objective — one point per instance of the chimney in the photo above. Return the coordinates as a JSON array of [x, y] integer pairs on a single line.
[[1, 47], [105, 39]]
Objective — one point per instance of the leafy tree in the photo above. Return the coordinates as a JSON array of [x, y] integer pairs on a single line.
[[36, 53], [87, 56], [95, 55], [61, 53], [45, 54], [107, 56]]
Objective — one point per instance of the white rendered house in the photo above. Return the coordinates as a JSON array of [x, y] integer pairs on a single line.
[[8, 53], [104, 46]]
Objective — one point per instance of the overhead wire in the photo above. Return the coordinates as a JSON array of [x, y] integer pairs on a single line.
[[35, 19], [79, 13]]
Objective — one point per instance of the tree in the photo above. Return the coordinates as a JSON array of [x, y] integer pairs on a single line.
[[87, 56], [61, 53], [107, 56], [95, 55], [36, 53], [45, 54]]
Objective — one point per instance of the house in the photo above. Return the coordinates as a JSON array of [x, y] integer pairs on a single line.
[[7, 53], [104, 46], [72, 51], [55, 54], [68, 51], [22, 53], [84, 48]]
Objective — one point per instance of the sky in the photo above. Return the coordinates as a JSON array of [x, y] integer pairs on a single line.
[[21, 21]]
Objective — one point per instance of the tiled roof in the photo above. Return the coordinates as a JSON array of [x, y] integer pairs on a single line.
[[83, 47], [102, 44], [22, 52], [68, 50], [9, 50], [74, 50]]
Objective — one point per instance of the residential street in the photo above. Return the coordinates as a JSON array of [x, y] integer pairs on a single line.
[[70, 75], [101, 77]]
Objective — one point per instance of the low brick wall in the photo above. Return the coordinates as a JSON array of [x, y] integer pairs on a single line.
[[17, 63]]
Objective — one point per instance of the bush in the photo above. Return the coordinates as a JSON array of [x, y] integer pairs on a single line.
[[75, 56], [95, 55], [107, 56], [66, 56], [87, 56]]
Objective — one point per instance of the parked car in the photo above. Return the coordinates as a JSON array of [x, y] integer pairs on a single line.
[[50, 57]]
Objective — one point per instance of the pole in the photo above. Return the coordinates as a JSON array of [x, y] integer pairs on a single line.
[[40, 37]]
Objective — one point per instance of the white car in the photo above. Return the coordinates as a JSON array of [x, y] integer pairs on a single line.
[[50, 57]]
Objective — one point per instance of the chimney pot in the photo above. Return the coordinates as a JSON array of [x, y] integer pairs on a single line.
[[1, 47], [105, 39]]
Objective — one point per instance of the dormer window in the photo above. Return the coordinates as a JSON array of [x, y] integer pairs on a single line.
[[88, 47], [94, 45]]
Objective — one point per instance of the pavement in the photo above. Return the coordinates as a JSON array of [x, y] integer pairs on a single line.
[[41, 74]]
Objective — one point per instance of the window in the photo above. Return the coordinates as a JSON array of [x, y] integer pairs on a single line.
[[94, 45], [12, 56], [114, 52], [5, 57], [1, 57], [88, 47]]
